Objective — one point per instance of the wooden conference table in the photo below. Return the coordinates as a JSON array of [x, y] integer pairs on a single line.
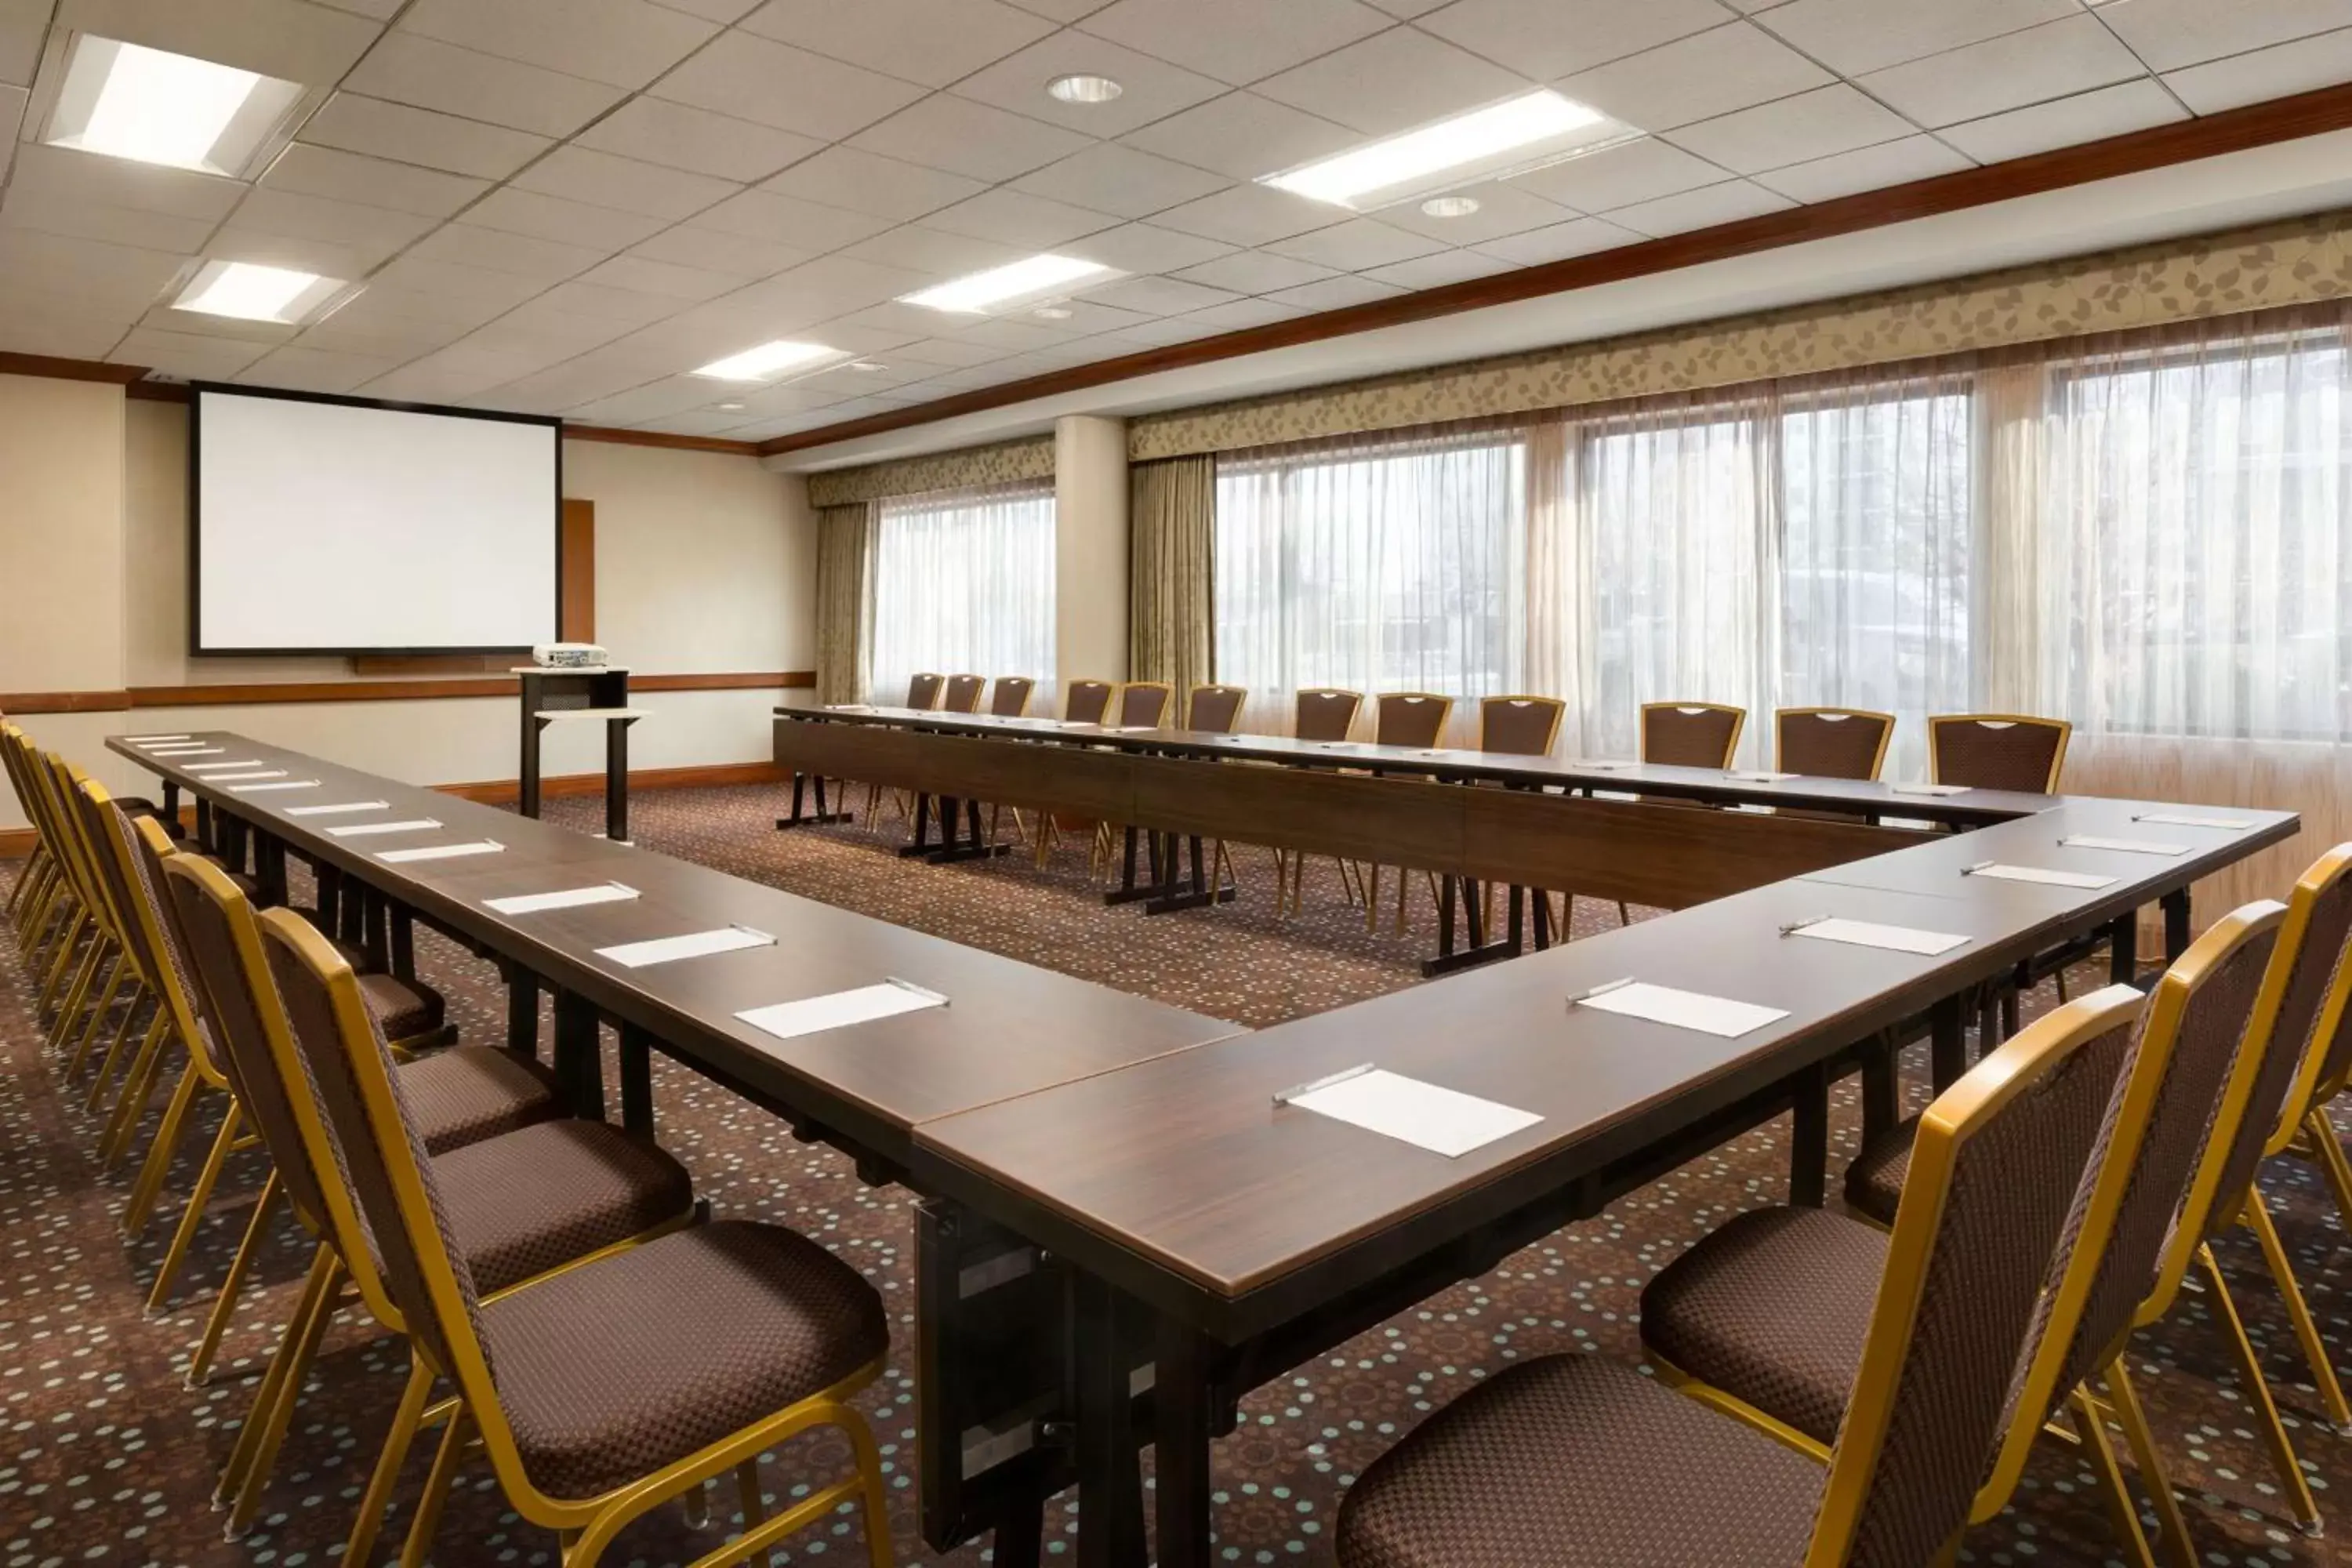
[[1114, 1254]]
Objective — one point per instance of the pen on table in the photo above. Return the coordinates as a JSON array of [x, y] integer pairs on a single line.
[[926, 995], [750, 931], [1297, 1091], [1973, 870], [1791, 928], [1601, 991]]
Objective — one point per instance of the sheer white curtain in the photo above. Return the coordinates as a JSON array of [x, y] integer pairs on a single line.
[[1388, 565], [963, 584]]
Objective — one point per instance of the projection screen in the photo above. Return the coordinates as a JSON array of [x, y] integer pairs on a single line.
[[339, 526]]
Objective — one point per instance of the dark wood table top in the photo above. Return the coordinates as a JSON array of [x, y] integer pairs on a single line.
[[1009, 1029], [1721, 786]]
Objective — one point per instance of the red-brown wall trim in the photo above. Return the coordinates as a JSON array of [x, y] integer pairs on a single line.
[[57, 369], [660, 438], [25, 702], [2232, 130]]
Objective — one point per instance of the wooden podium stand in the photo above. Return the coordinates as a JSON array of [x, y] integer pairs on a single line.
[[588, 694]]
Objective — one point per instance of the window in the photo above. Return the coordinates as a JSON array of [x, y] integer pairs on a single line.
[[963, 584]]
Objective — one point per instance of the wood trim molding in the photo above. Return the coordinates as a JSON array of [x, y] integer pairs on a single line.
[[56, 369], [29, 702], [660, 438], [2138, 152], [157, 391]]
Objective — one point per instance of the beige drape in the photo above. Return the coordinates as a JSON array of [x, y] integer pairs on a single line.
[[1172, 515], [844, 601]]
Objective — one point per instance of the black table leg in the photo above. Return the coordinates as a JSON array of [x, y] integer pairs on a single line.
[[1200, 893], [2175, 924], [921, 843], [378, 940], [204, 825], [1989, 1034], [404, 944], [1515, 937], [2123, 950], [800, 818], [1180, 1398], [171, 800], [1110, 1489], [616, 780], [527, 791], [1882, 1086], [329, 885], [580, 1055], [1809, 1138], [1948, 1043], [636, 1080], [270, 864], [523, 1012]]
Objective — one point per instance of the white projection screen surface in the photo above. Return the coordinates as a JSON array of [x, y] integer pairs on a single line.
[[338, 527]]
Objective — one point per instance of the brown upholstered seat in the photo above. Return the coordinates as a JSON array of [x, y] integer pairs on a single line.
[[1408, 717], [1087, 701], [1325, 713], [1574, 1462], [467, 1093], [1143, 704], [1831, 743], [609, 1372], [1998, 751], [923, 692], [1873, 1181], [963, 694], [1009, 699], [534, 1199], [1215, 709], [1519, 726], [403, 1009], [1691, 734], [1767, 1305]]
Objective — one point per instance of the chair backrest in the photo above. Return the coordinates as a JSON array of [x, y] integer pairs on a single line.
[[964, 694], [1993, 1169], [1087, 702], [1143, 704], [1010, 699], [78, 796], [56, 781], [923, 692], [1831, 743], [1519, 726], [1410, 718], [2327, 1057], [1216, 710], [1998, 751], [154, 935], [1325, 713], [1691, 734]]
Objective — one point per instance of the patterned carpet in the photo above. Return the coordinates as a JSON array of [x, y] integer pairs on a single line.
[[108, 1458]]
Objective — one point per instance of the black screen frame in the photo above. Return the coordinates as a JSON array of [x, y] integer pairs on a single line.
[[196, 646]]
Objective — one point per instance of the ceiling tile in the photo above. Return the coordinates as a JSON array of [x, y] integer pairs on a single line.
[[395, 339], [23, 25], [1852, 36], [1141, 247], [1244, 136], [1405, 10], [600, 229], [1618, 176], [738, 255], [373, 10], [867, 182], [1704, 208], [302, 217], [1505, 206], [1255, 272], [839, 283], [602, 301], [1010, 335], [350, 177], [2072, 55], [895, 323], [2279, 71], [407, 135], [1445, 266], [58, 261], [64, 334], [347, 259], [680, 136], [970, 139], [647, 276], [1017, 218], [605, 180], [473, 245], [290, 39], [787, 220], [1235, 40], [1062, 10], [1393, 81], [429, 289], [1151, 90], [1359, 243], [1834, 118], [63, 172], [296, 369], [947, 351], [1335, 294], [448, 374], [934, 42], [113, 225], [1547, 38], [1250, 215], [1696, 78], [626, 43], [1090, 316], [2169, 34], [196, 356], [408, 67], [1110, 178], [12, 113], [925, 250], [792, 89], [1244, 314], [1158, 296], [713, 10], [1867, 169], [2110, 112]]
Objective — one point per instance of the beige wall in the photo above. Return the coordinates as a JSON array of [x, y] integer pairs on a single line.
[[1090, 549], [705, 565]]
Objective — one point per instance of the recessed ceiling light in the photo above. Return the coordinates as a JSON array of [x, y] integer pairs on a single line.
[[1081, 88], [1015, 281], [767, 360], [254, 293], [1450, 207], [729, 408], [128, 101], [1052, 312], [1508, 137], [867, 365]]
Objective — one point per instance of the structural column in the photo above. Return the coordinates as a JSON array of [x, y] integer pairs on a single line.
[[1090, 551]]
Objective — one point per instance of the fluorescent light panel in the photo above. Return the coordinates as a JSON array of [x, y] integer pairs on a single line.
[[1016, 280], [127, 100], [251, 292], [772, 359], [1510, 136]]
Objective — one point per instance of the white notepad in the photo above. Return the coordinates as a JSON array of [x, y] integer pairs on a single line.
[[839, 1009], [847, 708], [219, 767], [254, 774], [2000, 873], [358, 829], [2127, 845], [1596, 765], [439, 851], [185, 751], [566, 898], [1756, 776], [285, 783], [155, 740], [693, 944], [1426, 1115], [339, 808], [2183, 819], [1894, 939], [1927, 789], [1684, 1009]]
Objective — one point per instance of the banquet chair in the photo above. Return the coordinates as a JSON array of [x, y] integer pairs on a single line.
[[962, 693], [1998, 751], [1831, 743], [1687, 735], [1086, 702], [1319, 714], [923, 693], [1409, 718]]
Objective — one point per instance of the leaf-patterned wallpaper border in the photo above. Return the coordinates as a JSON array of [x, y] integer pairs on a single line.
[[960, 469]]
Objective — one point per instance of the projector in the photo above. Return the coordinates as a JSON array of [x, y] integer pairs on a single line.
[[568, 655]]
